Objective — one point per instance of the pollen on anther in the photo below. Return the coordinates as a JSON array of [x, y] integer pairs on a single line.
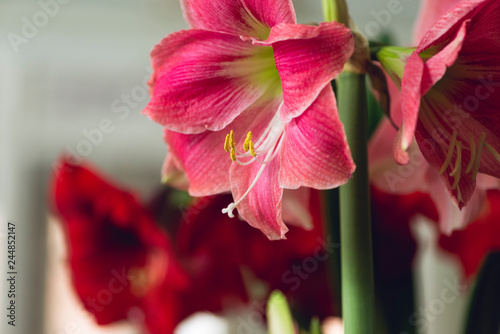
[[248, 140], [231, 139], [233, 154], [252, 150], [226, 143]]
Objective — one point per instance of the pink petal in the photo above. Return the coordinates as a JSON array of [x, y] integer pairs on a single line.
[[439, 138], [205, 163], [385, 173], [315, 152], [251, 18], [482, 35], [450, 104], [441, 44], [261, 208], [202, 156], [441, 115], [203, 80], [472, 83], [307, 58], [445, 28], [410, 104], [429, 14], [436, 66], [418, 79], [465, 99], [438, 145]]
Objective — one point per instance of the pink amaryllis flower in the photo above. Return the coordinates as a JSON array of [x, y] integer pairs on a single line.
[[246, 103], [449, 94]]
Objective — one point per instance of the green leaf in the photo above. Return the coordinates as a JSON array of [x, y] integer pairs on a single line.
[[279, 318]]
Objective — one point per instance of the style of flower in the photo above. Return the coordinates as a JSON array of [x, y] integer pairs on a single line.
[[246, 103], [448, 95], [115, 246]]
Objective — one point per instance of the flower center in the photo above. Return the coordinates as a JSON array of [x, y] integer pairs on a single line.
[[474, 162], [263, 151]]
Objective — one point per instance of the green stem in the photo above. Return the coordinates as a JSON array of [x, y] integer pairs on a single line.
[[335, 10], [484, 307], [358, 297]]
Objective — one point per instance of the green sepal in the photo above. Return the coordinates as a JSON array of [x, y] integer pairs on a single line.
[[393, 60]]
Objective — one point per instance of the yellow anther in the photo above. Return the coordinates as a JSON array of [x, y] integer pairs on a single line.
[[492, 151], [247, 142], [231, 140], [477, 161], [472, 154], [450, 152], [456, 173], [252, 150], [226, 143], [233, 154], [230, 145]]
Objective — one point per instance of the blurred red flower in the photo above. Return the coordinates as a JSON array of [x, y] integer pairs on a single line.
[[395, 245], [119, 258], [393, 242], [216, 244]]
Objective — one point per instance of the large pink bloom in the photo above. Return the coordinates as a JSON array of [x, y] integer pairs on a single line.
[[450, 100], [246, 103]]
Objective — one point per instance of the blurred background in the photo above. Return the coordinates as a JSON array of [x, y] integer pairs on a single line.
[[70, 69]]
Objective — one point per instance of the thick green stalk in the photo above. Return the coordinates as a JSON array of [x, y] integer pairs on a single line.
[[358, 297], [335, 10]]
